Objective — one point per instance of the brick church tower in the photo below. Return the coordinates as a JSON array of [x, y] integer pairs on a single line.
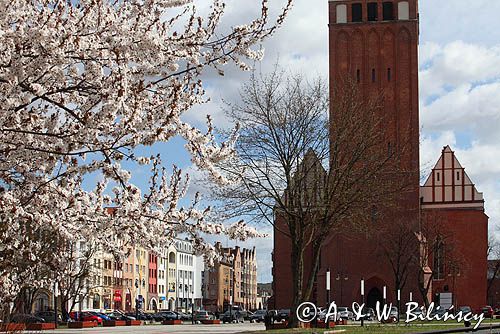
[[374, 46], [374, 43]]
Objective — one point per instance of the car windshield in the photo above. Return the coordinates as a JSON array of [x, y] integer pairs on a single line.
[[342, 309], [260, 312]]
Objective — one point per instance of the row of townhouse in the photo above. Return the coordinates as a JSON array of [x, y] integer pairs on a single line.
[[175, 279], [171, 280]]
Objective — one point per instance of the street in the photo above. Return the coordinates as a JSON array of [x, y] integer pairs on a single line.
[[157, 329]]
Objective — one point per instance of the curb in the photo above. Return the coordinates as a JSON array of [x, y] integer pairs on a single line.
[[461, 330]]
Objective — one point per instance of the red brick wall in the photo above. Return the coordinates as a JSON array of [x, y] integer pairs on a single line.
[[467, 232]]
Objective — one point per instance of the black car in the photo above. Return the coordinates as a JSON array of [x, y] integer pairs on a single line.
[[49, 316], [116, 315], [232, 316], [26, 319], [139, 316], [169, 315], [258, 316], [283, 315], [157, 317], [183, 316]]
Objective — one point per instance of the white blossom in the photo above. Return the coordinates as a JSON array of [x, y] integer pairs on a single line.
[[82, 85]]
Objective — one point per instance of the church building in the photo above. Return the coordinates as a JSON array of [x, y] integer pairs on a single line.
[[374, 43]]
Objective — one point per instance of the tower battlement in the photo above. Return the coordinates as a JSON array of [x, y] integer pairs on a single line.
[[371, 11]]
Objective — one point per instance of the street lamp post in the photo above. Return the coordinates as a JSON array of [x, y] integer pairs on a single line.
[[55, 303], [385, 295], [362, 300], [137, 299], [327, 296], [399, 303]]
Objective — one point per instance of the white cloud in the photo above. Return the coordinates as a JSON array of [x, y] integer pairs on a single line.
[[456, 64]]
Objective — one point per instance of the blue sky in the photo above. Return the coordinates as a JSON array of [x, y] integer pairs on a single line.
[[459, 88]]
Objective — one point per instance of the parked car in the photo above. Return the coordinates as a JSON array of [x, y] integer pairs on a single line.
[[231, 316], [103, 316], [26, 318], [49, 316], [170, 315], [117, 315], [439, 311], [272, 315], [157, 317], [283, 315], [85, 316], [258, 316], [183, 316], [464, 309], [321, 314], [369, 314], [203, 315], [394, 314], [139, 316], [344, 313], [246, 314], [487, 311]]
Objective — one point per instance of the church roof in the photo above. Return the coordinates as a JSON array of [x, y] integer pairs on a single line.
[[448, 185]]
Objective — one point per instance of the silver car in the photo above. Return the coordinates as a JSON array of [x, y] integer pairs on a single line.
[[344, 313], [203, 315]]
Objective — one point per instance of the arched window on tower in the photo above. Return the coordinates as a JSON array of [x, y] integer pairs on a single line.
[[357, 12], [438, 257], [372, 11], [341, 13], [388, 11], [403, 10]]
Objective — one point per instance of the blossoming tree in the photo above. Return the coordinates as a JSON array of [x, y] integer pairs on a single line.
[[82, 85]]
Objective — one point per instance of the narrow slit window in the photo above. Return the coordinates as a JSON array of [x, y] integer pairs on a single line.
[[389, 74], [458, 176], [372, 11], [437, 176], [357, 12], [374, 77], [388, 11], [358, 76]]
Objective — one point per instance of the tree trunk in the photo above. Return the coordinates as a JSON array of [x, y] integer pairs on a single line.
[[314, 269], [297, 279]]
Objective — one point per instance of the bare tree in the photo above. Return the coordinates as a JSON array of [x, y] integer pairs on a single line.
[[400, 248], [77, 269], [438, 256], [304, 173]]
